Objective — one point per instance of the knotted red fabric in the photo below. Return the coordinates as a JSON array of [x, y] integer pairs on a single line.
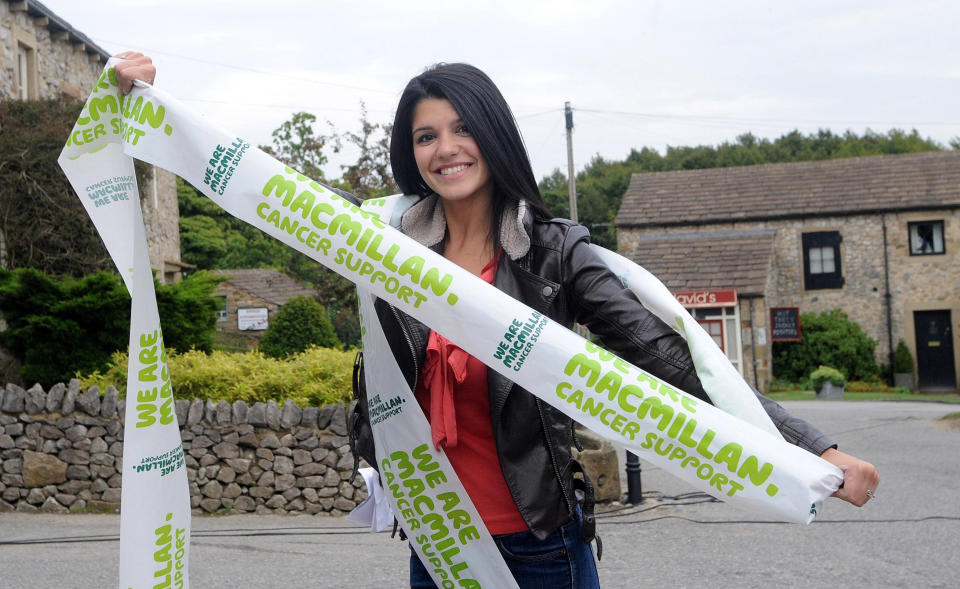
[[444, 368], [446, 364], [452, 391]]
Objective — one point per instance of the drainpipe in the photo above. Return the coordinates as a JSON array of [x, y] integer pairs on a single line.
[[753, 345], [887, 296]]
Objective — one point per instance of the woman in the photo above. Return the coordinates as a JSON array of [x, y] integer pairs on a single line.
[[456, 145]]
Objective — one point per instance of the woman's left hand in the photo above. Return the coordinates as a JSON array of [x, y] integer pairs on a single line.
[[136, 66], [860, 478]]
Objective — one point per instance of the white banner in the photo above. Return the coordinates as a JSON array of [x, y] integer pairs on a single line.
[[155, 498], [424, 491], [723, 384], [715, 451]]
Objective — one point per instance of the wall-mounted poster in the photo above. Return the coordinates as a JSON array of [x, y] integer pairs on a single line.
[[785, 324], [252, 319]]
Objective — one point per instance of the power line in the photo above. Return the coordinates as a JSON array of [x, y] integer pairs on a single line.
[[283, 106], [247, 69], [721, 119]]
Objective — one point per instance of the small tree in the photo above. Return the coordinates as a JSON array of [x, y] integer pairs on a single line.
[[902, 358], [299, 324], [831, 339]]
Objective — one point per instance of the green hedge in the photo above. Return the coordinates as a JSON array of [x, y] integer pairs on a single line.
[[315, 377], [830, 339]]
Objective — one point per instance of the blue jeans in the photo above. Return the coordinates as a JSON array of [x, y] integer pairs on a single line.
[[561, 561]]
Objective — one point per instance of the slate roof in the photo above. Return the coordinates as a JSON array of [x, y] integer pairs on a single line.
[[695, 261], [846, 186], [56, 24], [267, 283]]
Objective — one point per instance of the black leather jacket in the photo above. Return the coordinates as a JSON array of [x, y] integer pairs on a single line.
[[560, 276]]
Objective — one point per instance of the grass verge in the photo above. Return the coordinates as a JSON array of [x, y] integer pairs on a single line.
[[869, 396]]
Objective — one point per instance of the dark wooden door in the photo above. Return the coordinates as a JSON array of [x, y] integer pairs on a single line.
[[935, 364]]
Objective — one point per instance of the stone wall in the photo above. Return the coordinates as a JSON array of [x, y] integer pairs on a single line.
[[161, 220], [62, 450], [62, 67]]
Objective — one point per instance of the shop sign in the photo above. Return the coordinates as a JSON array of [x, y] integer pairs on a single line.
[[785, 324], [694, 299]]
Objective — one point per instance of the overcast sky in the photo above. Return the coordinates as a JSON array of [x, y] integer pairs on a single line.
[[638, 73]]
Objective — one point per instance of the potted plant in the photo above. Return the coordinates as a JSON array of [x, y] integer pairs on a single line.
[[828, 382], [903, 366]]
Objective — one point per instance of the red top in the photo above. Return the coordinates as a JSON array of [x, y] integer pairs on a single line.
[[452, 391]]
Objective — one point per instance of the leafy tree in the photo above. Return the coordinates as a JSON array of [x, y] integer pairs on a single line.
[[370, 176], [830, 339], [299, 324], [296, 144]]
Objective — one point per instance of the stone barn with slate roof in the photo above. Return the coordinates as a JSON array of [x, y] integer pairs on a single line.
[[877, 237], [248, 302], [43, 57]]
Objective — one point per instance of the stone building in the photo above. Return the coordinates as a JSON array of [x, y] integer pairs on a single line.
[[875, 236], [42, 57], [249, 300]]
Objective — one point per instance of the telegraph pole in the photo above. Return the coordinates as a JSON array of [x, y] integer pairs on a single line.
[[571, 181]]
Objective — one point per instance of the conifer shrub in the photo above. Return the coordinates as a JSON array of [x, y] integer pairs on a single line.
[[57, 327], [902, 358]]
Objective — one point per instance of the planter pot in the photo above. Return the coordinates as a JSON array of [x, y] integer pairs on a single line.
[[903, 379], [830, 391]]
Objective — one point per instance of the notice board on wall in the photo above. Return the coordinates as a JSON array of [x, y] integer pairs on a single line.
[[785, 324]]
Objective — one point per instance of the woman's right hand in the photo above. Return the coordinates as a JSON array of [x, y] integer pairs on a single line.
[[135, 66]]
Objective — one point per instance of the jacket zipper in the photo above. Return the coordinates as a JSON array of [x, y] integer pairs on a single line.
[[553, 457], [413, 351]]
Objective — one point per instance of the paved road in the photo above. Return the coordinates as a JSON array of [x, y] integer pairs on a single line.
[[908, 537]]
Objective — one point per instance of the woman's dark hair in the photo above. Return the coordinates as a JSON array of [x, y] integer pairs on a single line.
[[481, 106]]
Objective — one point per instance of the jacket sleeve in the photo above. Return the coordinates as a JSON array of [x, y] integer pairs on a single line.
[[612, 312], [795, 430], [599, 300]]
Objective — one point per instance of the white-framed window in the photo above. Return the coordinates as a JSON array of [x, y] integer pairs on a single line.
[[821, 260], [722, 324]]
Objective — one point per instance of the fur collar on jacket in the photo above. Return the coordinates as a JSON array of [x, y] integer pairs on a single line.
[[426, 223]]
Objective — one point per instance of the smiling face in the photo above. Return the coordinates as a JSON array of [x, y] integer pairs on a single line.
[[447, 156]]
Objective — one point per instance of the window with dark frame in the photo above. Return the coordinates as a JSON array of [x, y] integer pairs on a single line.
[[821, 260], [926, 238]]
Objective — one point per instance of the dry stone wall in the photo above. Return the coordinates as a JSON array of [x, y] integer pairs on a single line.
[[62, 450]]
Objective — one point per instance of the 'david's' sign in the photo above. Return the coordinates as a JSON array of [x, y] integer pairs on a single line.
[[692, 299]]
